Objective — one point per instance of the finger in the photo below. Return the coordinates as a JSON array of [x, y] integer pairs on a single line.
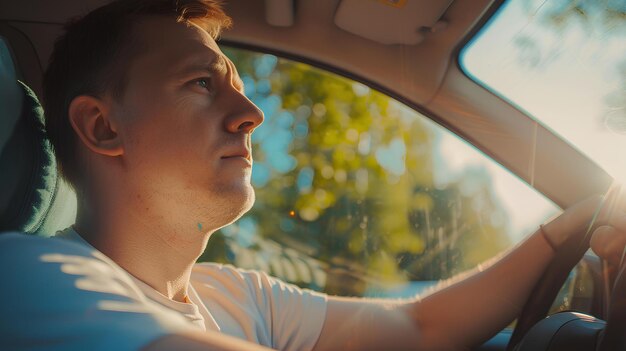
[[608, 243], [621, 199], [612, 206], [619, 221], [574, 219]]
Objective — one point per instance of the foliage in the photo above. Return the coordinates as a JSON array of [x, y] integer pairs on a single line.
[[601, 20], [345, 174]]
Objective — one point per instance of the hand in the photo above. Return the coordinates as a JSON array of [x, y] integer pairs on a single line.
[[608, 238], [609, 241], [574, 220]]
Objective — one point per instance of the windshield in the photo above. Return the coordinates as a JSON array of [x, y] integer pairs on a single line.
[[563, 62], [360, 195]]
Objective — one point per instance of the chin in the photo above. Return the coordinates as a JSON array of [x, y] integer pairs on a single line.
[[234, 205], [247, 202]]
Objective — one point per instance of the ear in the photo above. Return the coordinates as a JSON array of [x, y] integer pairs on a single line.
[[90, 118]]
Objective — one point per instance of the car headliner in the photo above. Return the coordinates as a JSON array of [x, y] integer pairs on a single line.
[[425, 76]]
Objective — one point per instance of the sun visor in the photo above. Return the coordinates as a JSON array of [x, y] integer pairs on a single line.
[[392, 21], [279, 13]]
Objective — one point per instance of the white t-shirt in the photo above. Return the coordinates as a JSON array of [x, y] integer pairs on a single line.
[[76, 299]]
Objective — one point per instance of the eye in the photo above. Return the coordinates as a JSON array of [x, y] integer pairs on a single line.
[[204, 83]]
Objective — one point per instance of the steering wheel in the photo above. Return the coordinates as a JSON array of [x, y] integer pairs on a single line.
[[569, 330]]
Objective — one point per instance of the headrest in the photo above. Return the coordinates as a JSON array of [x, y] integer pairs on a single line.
[[33, 198]]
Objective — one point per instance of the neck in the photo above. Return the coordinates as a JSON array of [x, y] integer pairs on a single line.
[[139, 239]]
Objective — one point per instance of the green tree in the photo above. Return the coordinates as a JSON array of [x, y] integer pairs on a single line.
[[600, 20], [345, 174]]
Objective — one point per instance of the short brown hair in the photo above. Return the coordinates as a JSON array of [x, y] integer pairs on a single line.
[[85, 62]]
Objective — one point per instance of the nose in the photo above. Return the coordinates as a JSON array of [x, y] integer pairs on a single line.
[[246, 117]]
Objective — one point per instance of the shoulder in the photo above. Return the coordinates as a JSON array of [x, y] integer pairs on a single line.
[[55, 267], [226, 275], [25, 243], [23, 255], [93, 302], [293, 317], [257, 283]]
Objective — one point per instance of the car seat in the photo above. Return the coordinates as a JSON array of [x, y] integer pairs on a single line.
[[33, 197]]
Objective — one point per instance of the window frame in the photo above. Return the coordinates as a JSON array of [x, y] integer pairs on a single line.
[[597, 295]]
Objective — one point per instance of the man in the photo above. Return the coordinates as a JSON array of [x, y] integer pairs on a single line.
[[151, 127]]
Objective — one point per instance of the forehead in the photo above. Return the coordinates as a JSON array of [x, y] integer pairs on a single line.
[[166, 45]]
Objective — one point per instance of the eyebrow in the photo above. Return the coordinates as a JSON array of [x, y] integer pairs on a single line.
[[201, 64], [218, 63]]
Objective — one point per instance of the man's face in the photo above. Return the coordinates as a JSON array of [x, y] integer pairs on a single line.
[[186, 127]]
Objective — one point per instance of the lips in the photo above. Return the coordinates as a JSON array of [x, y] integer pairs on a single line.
[[243, 153]]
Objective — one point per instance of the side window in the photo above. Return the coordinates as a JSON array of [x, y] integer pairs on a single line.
[[360, 195], [577, 293], [7, 65], [10, 110], [10, 97]]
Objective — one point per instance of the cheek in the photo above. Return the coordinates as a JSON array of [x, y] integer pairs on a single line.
[[165, 118], [179, 133], [196, 121], [171, 127], [188, 108]]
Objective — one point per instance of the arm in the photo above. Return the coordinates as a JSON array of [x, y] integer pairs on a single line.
[[201, 341], [464, 313]]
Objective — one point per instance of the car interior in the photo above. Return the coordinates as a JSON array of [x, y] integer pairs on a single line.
[[407, 50]]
